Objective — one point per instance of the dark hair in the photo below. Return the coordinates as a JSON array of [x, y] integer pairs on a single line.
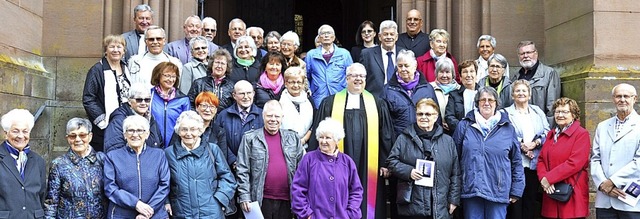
[[221, 52], [273, 55], [359, 41], [160, 68], [466, 64]]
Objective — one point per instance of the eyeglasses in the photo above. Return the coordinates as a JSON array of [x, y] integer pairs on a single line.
[[244, 93], [135, 131], [624, 96], [74, 136], [140, 100], [153, 39], [326, 33], [209, 30], [426, 114], [217, 63], [562, 112], [295, 82], [367, 31], [207, 107], [17, 132], [527, 53], [189, 130], [200, 48], [169, 76], [413, 19], [495, 67], [273, 116], [491, 101], [357, 75]]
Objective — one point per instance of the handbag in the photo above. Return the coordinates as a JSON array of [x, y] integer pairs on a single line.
[[563, 190]]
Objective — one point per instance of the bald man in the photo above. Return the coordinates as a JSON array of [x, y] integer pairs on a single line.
[[414, 39]]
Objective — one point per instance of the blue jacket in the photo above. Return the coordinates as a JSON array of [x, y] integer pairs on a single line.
[[201, 185], [129, 177], [402, 106], [327, 78], [230, 120], [540, 126], [492, 167], [166, 113], [114, 135]]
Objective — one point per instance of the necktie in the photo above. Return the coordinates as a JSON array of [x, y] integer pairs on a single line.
[[390, 67], [244, 115], [22, 162], [142, 47]]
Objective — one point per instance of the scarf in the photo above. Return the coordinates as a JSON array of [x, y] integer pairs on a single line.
[[372, 129], [299, 122], [166, 97], [408, 86], [245, 62], [275, 86], [20, 156], [446, 88], [486, 125], [435, 57]]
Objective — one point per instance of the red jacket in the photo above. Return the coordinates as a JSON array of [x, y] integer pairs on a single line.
[[565, 159], [427, 65]]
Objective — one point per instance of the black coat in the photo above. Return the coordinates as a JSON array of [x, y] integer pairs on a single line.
[[250, 73], [224, 91], [22, 198], [454, 112], [114, 136], [265, 94], [371, 58]]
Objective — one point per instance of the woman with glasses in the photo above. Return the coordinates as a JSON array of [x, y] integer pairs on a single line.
[[139, 101], [167, 102], [289, 43], [246, 66], [272, 41], [565, 158], [486, 142], [197, 66], [217, 81], [461, 101], [497, 80], [75, 186], [202, 186], [439, 42], [136, 177], [271, 82], [106, 87], [296, 104], [365, 38], [424, 141]]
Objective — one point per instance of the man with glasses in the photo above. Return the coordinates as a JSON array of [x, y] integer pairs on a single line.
[[368, 136], [380, 61], [414, 39], [139, 102], [142, 18], [141, 65], [257, 33], [209, 28], [326, 66], [237, 28], [615, 155], [545, 81], [180, 48]]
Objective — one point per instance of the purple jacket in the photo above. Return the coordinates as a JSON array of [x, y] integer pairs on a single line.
[[332, 191]]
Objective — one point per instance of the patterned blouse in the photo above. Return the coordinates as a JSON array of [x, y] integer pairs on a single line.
[[75, 187]]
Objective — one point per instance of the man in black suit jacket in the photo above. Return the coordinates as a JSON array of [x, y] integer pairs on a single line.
[[376, 59], [414, 39], [143, 18], [237, 28]]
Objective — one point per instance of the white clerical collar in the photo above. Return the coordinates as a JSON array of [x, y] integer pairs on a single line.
[[353, 101]]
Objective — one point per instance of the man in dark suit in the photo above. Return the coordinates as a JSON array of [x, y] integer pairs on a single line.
[[143, 18], [380, 60], [237, 28], [414, 39]]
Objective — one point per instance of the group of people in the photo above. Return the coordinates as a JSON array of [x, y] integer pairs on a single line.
[[190, 129]]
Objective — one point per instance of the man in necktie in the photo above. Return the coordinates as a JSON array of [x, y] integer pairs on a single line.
[[142, 18], [380, 60]]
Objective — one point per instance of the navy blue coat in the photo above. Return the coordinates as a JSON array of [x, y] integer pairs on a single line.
[[230, 120], [22, 198], [402, 107], [114, 136]]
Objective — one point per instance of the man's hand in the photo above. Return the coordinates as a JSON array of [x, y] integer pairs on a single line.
[[168, 208], [245, 206], [384, 172], [415, 174]]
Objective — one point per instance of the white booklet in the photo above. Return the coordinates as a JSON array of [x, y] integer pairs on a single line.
[[254, 213], [632, 194], [427, 168]]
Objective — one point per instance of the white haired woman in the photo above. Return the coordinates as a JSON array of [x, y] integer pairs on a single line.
[[202, 184], [443, 85], [289, 44], [245, 65], [136, 177], [311, 197], [75, 187], [23, 185]]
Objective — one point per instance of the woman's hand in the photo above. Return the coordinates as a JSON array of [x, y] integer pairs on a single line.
[[168, 208], [513, 199], [140, 216], [245, 206], [144, 209], [452, 208], [384, 172], [416, 175], [548, 188]]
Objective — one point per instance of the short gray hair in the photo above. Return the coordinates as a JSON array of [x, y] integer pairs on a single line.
[[290, 35], [142, 7], [189, 115], [155, 27], [326, 26], [439, 32], [408, 56], [356, 67], [138, 89], [631, 87], [489, 38], [209, 20], [489, 90], [249, 41], [192, 17], [259, 29], [500, 59], [240, 21], [17, 115], [135, 120], [77, 123], [196, 39], [388, 24], [445, 64], [330, 126]]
